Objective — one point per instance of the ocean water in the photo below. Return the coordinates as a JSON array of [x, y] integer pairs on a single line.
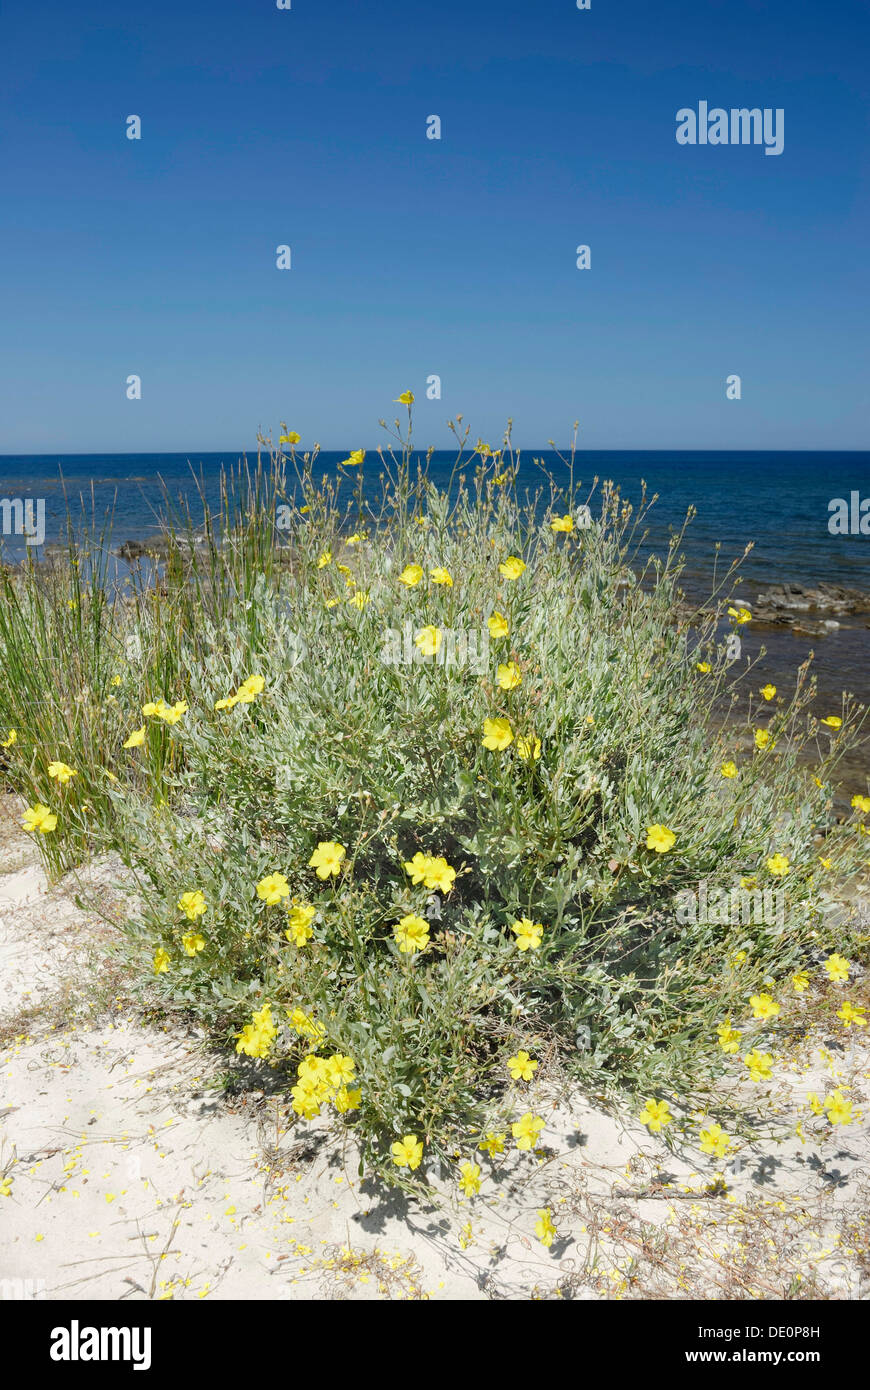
[[779, 501]]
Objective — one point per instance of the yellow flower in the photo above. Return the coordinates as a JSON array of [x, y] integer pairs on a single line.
[[136, 739], [763, 1006], [544, 1228], [759, 1064], [729, 1037], [562, 523], [526, 1130], [839, 1109], [256, 1038], [714, 1140], [406, 398], [193, 905], [528, 934], [170, 714], [512, 567], [815, 1104], [432, 872], [439, 875], [800, 981], [469, 1178], [340, 1069], [11, 737], [39, 818], [327, 858], [767, 692], [528, 748], [304, 1025], [407, 1152], [193, 942], [659, 838], [304, 1102], [704, 667], [508, 675], [498, 625], [418, 867], [61, 773], [250, 689], [852, 1013], [273, 888], [762, 738], [778, 865], [428, 640], [655, 1115], [346, 1100], [862, 804], [359, 599], [441, 576], [324, 559], [837, 967], [411, 575], [497, 734], [299, 919], [291, 438], [313, 1073], [355, 457], [411, 934], [161, 961], [826, 863], [522, 1067], [742, 615], [728, 769], [833, 721], [492, 1144]]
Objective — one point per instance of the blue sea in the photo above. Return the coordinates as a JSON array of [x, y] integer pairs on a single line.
[[779, 501]]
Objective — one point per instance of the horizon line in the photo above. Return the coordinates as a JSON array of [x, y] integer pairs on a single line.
[[517, 449]]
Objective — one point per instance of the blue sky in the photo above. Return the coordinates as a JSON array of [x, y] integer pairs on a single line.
[[411, 256]]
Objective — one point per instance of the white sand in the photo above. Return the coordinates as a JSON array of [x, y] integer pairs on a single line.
[[132, 1176]]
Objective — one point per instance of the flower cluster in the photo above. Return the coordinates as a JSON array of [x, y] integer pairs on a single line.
[[432, 871], [257, 1037], [159, 709], [322, 1081]]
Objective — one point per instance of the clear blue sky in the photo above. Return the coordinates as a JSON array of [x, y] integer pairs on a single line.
[[410, 256]]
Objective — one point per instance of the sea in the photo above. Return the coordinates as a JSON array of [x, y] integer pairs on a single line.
[[781, 502]]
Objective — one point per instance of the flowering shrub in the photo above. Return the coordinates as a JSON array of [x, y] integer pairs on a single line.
[[393, 883]]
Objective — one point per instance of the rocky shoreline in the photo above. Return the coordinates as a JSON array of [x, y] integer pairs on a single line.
[[811, 610], [808, 610]]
